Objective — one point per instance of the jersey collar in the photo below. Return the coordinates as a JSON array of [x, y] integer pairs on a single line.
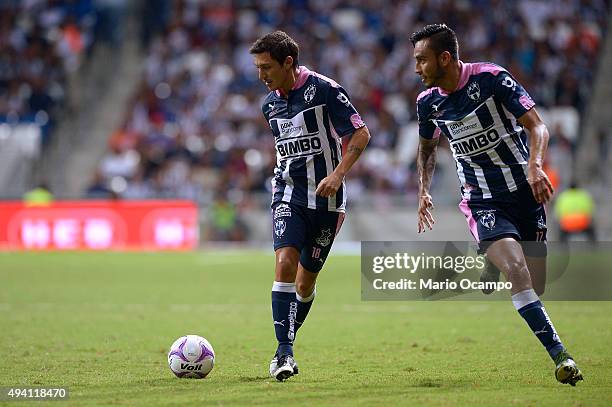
[[464, 75], [302, 75]]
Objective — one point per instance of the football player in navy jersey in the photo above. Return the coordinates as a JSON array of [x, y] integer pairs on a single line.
[[484, 112], [308, 114]]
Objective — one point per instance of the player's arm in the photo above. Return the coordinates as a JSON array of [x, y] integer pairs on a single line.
[[358, 142], [516, 99], [538, 143], [426, 164]]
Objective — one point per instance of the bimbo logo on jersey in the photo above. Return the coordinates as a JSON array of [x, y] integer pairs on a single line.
[[476, 143], [294, 140], [469, 137], [299, 147]]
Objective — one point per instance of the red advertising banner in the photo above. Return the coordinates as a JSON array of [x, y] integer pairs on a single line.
[[99, 225]]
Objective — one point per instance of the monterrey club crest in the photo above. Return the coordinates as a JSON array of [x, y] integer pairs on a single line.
[[473, 91], [309, 93], [279, 227], [541, 223], [324, 240], [487, 219]]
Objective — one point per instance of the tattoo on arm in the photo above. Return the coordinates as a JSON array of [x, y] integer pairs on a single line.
[[426, 163], [354, 149], [356, 146]]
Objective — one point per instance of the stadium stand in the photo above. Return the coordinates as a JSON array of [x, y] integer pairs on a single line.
[[593, 155], [43, 46], [194, 126]]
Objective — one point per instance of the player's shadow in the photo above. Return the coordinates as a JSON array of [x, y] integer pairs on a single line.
[[249, 379], [169, 382], [436, 382]]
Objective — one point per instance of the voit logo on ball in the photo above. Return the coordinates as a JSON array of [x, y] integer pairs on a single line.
[[191, 356]]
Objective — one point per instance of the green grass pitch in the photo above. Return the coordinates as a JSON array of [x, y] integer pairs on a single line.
[[101, 324]]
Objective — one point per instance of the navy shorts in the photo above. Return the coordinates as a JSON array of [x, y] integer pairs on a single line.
[[516, 214], [310, 231]]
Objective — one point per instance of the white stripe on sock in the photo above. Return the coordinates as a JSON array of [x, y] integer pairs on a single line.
[[523, 298], [306, 299], [283, 287]]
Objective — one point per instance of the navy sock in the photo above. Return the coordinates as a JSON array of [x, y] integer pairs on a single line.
[[303, 306], [531, 309], [284, 310]]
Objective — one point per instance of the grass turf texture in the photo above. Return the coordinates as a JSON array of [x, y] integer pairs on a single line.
[[101, 324]]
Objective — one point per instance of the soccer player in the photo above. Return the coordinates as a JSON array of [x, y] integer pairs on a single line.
[[308, 113], [484, 112]]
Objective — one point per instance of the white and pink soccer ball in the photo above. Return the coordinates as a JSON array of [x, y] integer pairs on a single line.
[[191, 356]]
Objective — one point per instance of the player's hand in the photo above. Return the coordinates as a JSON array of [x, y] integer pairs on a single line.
[[329, 185], [426, 219], [540, 184]]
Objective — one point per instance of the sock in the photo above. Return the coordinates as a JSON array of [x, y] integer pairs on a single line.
[[531, 309], [284, 310], [303, 306]]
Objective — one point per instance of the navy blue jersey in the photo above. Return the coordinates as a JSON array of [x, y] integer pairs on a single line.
[[480, 121], [307, 126]]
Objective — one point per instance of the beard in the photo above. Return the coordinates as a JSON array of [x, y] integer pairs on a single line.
[[436, 77]]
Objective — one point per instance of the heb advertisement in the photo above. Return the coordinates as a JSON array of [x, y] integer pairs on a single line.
[[99, 225]]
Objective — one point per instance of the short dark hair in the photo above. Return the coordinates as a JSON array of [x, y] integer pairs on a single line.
[[441, 38], [280, 46]]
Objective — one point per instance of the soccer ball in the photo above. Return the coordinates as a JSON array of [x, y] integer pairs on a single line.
[[191, 356]]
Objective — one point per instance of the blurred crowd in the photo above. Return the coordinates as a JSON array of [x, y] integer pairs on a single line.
[[41, 42], [194, 128]]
